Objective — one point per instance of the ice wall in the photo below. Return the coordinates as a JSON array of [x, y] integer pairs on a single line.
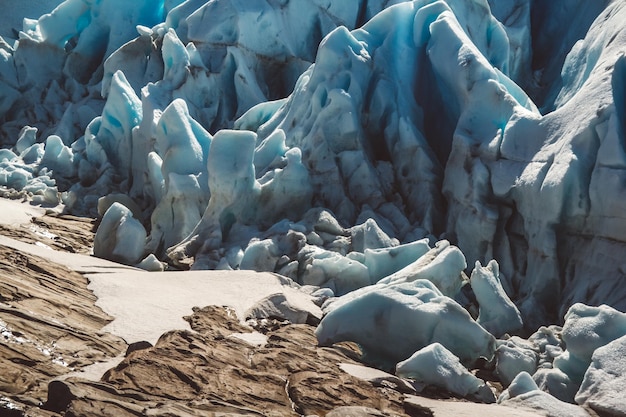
[[316, 138]]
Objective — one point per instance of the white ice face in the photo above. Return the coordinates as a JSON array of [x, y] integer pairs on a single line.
[[435, 365], [497, 312], [337, 142], [605, 380]]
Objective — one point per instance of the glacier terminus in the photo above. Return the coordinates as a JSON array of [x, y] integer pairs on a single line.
[[447, 177]]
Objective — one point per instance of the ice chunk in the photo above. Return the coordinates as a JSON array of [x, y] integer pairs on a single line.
[[515, 16], [443, 266], [286, 192], [28, 137], [178, 177], [436, 365], [331, 269], [269, 150], [524, 392], [234, 192], [58, 157], [513, 356], [33, 154], [43, 194], [522, 384], [15, 177], [181, 141], [556, 381], [411, 121], [497, 314], [27, 179], [151, 263], [140, 60], [285, 306], [548, 341], [120, 237], [385, 261], [6, 155], [261, 255], [369, 235], [585, 330], [179, 211], [321, 220], [604, 383], [64, 22], [90, 25], [175, 59], [391, 322], [109, 137]]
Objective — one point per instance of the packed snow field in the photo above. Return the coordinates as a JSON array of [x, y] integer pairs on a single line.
[[439, 174]]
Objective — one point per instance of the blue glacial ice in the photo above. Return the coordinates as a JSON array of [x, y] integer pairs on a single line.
[[121, 236], [497, 312], [513, 356], [585, 330], [392, 321], [379, 152], [442, 265], [604, 382], [436, 365], [523, 391]]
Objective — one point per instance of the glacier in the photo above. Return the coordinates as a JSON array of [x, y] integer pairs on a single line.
[[372, 151], [436, 365]]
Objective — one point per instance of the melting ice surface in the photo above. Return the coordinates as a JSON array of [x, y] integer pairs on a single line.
[[460, 160]]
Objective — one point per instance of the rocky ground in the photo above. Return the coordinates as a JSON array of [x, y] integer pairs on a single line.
[[51, 328]]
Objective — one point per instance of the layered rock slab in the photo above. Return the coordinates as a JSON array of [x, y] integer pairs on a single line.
[[49, 326], [207, 370]]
